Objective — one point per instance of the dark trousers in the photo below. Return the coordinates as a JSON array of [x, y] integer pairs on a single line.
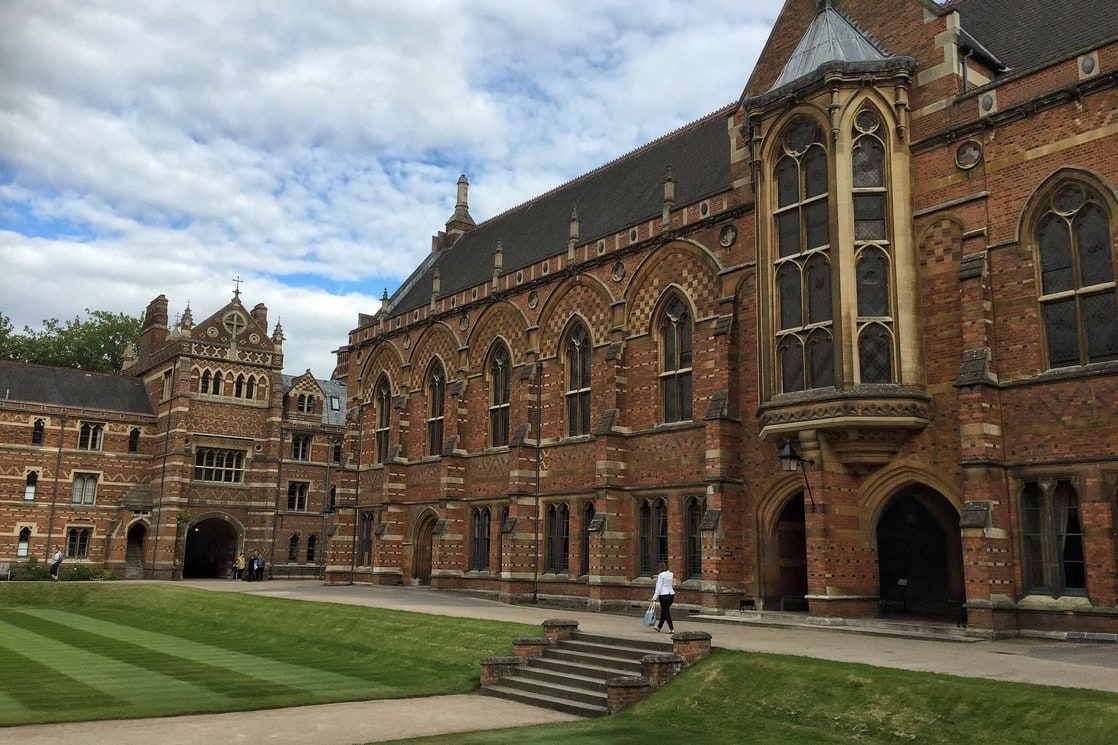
[[666, 611]]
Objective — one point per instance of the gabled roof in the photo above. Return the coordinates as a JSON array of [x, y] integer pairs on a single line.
[[78, 389], [334, 391], [622, 193], [1026, 34], [829, 38]]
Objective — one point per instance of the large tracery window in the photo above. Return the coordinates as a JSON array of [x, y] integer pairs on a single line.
[[578, 382], [675, 362], [1077, 295], [804, 343], [436, 407], [499, 377], [383, 403], [872, 250]]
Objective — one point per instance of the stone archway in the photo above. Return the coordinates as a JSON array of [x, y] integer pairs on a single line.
[[211, 546], [422, 549], [786, 564], [920, 556], [134, 555]]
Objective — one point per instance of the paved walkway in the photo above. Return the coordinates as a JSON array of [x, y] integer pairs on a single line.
[[1072, 665]]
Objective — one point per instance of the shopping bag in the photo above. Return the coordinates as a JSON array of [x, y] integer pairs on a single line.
[[650, 614]]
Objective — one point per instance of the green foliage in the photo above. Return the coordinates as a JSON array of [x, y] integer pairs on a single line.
[[85, 573], [32, 571], [95, 343], [97, 651]]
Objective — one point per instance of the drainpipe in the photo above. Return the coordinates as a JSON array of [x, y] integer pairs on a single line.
[[966, 57]]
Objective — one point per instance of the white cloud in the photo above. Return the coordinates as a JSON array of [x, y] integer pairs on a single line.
[[313, 149]]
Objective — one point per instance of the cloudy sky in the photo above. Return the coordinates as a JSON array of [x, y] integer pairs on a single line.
[[312, 149]]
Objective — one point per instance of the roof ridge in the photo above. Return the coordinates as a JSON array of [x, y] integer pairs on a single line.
[[625, 156], [63, 368]]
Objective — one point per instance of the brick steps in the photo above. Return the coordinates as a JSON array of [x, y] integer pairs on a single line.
[[571, 676]]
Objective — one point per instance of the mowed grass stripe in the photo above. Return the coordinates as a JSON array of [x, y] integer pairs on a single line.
[[228, 683], [110, 680], [272, 671], [40, 687]]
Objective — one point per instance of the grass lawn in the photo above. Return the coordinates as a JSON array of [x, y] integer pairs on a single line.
[[76, 652], [739, 698]]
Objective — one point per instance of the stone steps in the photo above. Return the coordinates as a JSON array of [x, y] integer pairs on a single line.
[[571, 676]]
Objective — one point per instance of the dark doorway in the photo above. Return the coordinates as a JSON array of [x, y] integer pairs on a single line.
[[791, 549], [211, 546], [421, 559], [919, 551], [134, 556]]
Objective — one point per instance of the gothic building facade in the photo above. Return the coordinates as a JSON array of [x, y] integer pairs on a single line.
[[200, 449], [891, 261]]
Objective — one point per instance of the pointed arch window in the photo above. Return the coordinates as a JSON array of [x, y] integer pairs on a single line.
[[312, 547], [499, 386], [652, 538], [479, 535], [1076, 261], [293, 547], [383, 397], [675, 361], [204, 384], [24, 542], [578, 382], [215, 386], [30, 485], [693, 569], [90, 435], [557, 531], [37, 431], [436, 407], [803, 266], [1054, 557], [134, 440], [584, 547]]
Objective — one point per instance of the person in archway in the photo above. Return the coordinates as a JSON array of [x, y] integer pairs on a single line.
[[55, 563], [665, 594]]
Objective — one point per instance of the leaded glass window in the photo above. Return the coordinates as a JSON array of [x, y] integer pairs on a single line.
[[1076, 263]]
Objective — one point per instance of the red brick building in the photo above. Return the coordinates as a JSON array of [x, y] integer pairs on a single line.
[[893, 259], [199, 450]]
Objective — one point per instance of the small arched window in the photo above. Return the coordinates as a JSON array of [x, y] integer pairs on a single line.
[[134, 440], [652, 535], [293, 547], [383, 400], [557, 538], [30, 485], [312, 547], [479, 538], [37, 430], [24, 542]]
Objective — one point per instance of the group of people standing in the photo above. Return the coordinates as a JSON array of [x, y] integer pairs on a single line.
[[251, 568]]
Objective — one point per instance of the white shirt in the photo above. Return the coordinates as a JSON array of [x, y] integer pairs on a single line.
[[663, 584], [57, 556]]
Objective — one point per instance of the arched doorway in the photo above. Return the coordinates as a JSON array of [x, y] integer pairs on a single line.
[[211, 546], [920, 556], [134, 554], [421, 558], [791, 558]]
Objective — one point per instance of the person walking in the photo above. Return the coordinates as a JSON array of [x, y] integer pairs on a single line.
[[55, 563], [665, 594]]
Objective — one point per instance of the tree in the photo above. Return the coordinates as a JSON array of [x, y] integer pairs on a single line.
[[95, 343]]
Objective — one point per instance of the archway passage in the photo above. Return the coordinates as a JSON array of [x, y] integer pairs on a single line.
[[421, 558], [211, 546], [791, 549], [920, 556], [134, 557]]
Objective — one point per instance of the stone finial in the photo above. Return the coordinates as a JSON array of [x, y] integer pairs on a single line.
[[186, 323], [277, 335], [383, 310], [461, 221]]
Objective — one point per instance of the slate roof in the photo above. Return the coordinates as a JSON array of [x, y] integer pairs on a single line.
[[1026, 34], [60, 386], [829, 38], [622, 193]]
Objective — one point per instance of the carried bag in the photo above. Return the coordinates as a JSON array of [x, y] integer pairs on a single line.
[[650, 614]]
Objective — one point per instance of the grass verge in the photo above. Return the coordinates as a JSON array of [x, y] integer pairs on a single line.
[[116, 651], [738, 698]]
